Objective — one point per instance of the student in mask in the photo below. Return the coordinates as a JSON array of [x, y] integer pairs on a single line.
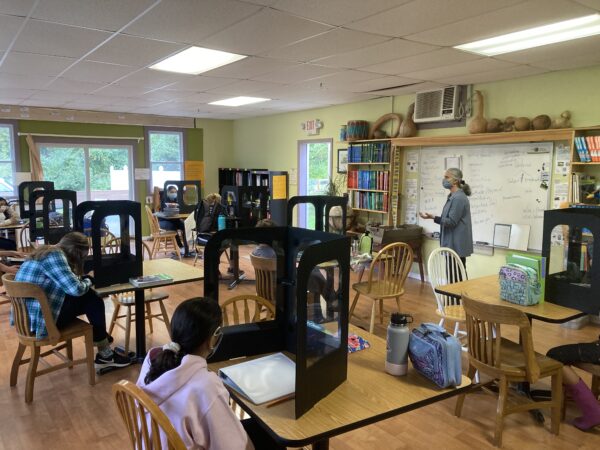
[[174, 224], [177, 378], [8, 216], [456, 231]]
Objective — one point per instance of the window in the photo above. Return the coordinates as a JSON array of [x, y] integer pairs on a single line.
[[314, 173], [7, 160], [166, 156]]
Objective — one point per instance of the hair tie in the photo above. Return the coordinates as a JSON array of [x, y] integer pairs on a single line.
[[462, 181], [173, 346]]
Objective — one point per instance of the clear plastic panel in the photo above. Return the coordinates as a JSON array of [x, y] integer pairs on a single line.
[[571, 254]]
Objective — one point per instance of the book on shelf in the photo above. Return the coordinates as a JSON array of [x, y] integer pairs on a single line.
[[581, 149], [151, 280], [263, 379], [593, 148], [369, 152]]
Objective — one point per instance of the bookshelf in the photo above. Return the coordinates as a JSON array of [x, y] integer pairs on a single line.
[[585, 165], [243, 177]]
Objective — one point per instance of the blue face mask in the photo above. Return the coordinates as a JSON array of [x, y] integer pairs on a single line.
[[446, 183], [172, 196]]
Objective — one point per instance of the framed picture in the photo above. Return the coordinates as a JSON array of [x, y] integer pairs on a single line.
[[342, 161]]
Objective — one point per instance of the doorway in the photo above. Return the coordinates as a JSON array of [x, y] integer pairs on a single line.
[[314, 173]]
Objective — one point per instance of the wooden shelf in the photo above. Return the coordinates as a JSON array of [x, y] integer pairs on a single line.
[[586, 163], [366, 163], [366, 190], [369, 210]]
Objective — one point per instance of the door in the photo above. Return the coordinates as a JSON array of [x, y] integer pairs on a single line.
[[314, 173]]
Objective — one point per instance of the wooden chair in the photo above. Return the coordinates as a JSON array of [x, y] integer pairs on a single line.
[[59, 339], [24, 243], [144, 420], [127, 300], [255, 309], [387, 275], [265, 270], [508, 362], [162, 240], [444, 267]]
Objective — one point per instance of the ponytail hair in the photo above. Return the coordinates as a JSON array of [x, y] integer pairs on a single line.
[[193, 323], [457, 176]]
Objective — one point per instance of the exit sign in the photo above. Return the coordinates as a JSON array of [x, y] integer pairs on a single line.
[[312, 126]]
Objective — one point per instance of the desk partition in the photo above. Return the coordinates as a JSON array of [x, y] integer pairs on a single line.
[[58, 208]]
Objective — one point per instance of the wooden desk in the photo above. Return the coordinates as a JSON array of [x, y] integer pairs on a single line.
[[367, 396], [162, 216], [487, 289], [181, 273]]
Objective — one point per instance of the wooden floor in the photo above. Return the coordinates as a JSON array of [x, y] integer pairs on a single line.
[[67, 413]]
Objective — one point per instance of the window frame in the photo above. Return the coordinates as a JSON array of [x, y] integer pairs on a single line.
[[183, 151], [15, 154]]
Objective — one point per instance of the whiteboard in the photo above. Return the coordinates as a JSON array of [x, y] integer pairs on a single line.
[[506, 184]]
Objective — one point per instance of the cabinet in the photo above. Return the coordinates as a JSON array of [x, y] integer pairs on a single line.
[[243, 177]]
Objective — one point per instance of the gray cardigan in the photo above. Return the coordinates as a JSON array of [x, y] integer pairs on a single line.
[[456, 231]]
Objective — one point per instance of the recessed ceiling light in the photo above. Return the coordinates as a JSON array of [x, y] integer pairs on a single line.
[[195, 60], [536, 37], [239, 101]]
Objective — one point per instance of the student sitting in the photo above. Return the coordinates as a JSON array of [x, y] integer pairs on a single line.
[[194, 399], [8, 216], [173, 224]]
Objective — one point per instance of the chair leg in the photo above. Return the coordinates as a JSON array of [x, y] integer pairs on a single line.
[[398, 303], [113, 319], [557, 399], [89, 356], [14, 371], [149, 317], [372, 324], [128, 328], [353, 305], [165, 316], [155, 247], [500, 409], [461, 398], [69, 349], [381, 310], [177, 249], [31, 373]]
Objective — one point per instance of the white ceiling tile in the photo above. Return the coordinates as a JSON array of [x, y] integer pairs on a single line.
[[249, 67], [24, 81], [74, 86], [507, 20], [590, 3], [423, 15], [164, 95], [82, 106], [153, 79], [347, 80], [54, 103], [195, 19], [386, 51], [112, 90], [136, 102], [17, 62], [584, 46], [326, 44], [494, 75], [378, 84], [15, 92], [16, 7], [262, 32], [465, 68], [54, 95], [570, 62], [200, 83], [134, 51], [336, 12], [9, 25], [437, 58], [97, 72], [243, 87], [57, 40], [297, 73], [95, 99], [6, 102], [108, 15], [410, 89]]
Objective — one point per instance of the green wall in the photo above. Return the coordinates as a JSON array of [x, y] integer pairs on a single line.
[[218, 150], [193, 137], [272, 141]]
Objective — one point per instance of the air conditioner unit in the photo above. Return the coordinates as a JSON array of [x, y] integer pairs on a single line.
[[438, 105]]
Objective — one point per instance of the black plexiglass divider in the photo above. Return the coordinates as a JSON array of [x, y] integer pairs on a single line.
[[322, 205], [56, 220], [187, 201], [26, 188]]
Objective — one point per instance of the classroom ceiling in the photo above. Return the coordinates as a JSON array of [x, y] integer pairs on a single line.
[[303, 54]]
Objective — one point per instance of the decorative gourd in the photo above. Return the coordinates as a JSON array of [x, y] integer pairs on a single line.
[[564, 121], [478, 124], [377, 133], [522, 124], [495, 126], [509, 124], [541, 122], [408, 128]]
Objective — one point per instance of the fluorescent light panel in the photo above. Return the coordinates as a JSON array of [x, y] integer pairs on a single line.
[[239, 101], [196, 60], [536, 37]]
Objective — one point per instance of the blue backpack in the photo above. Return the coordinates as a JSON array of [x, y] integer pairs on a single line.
[[436, 354]]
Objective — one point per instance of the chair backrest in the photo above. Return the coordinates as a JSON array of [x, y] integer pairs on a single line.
[[484, 331], [265, 270], [253, 308], [24, 241], [153, 221], [444, 267], [19, 292], [391, 267], [143, 418]]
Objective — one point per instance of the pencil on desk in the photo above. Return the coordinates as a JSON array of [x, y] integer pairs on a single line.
[[281, 400]]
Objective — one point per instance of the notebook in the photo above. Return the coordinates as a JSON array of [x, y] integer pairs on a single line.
[[151, 280], [263, 379]]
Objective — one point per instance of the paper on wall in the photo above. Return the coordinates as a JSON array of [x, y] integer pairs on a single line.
[[410, 215], [562, 159], [412, 161], [410, 189]]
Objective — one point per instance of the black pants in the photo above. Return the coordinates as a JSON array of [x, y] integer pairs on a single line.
[[7, 244], [176, 225], [576, 353], [89, 304], [259, 437]]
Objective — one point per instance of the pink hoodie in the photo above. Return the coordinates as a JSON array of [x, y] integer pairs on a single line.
[[197, 404]]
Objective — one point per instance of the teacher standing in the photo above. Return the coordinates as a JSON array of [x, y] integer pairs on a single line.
[[456, 231]]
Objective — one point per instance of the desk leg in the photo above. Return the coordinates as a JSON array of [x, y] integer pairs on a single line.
[[235, 262], [321, 445], [140, 325]]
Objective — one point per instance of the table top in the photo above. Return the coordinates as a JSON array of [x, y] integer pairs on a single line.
[[15, 226], [487, 289], [367, 396], [181, 216], [179, 271]]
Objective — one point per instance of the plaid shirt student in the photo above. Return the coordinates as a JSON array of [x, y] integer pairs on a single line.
[[54, 275]]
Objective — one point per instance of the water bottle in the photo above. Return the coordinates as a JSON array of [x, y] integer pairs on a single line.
[[396, 362], [221, 222], [365, 245]]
